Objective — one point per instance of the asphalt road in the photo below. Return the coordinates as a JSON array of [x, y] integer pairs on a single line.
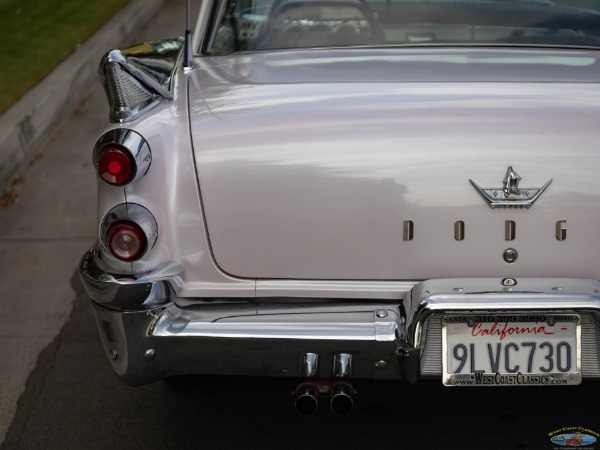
[[72, 400]]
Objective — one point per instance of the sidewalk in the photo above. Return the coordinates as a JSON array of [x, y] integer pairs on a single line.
[[32, 120], [53, 222]]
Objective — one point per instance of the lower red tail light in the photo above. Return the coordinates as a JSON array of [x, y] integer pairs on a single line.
[[126, 240], [116, 165]]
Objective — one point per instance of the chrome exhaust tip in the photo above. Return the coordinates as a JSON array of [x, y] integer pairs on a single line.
[[341, 399], [307, 399]]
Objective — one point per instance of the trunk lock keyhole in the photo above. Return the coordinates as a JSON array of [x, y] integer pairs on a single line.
[[510, 255]]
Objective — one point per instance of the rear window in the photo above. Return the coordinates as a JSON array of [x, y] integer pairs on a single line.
[[253, 25]]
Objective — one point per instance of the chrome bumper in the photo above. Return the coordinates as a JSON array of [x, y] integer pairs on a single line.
[[149, 337], [251, 339], [128, 291]]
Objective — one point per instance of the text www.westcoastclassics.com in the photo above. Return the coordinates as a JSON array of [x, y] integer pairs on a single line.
[[481, 379]]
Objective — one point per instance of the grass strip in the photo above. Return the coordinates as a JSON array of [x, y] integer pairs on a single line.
[[38, 35]]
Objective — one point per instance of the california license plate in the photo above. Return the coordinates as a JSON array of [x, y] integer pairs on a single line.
[[511, 350]]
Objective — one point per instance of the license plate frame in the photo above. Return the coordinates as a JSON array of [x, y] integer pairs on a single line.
[[480, 337]]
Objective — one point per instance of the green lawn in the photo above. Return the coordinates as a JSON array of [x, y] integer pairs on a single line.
[[38, 34]]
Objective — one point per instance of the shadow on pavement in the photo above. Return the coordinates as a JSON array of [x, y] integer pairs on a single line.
[[73, 400]]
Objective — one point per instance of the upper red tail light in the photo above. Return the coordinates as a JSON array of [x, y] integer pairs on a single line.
[[121, 157], [116, 165]]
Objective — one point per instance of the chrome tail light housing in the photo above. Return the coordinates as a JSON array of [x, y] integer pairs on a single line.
[[121, 156], [128, 231]]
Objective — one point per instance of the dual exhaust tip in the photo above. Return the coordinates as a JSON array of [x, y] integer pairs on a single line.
[[340, 394]]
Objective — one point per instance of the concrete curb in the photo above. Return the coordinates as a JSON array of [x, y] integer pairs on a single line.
[[34, 118]]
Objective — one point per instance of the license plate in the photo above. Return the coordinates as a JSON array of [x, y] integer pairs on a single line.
[[511, 350]]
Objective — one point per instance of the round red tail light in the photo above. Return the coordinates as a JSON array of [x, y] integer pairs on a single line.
[[116, 165], [126, 240]]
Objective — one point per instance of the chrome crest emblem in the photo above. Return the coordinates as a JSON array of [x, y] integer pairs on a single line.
[[510, 195], [511, 182]]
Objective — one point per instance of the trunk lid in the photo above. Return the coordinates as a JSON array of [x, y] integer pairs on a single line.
[[311, 163]]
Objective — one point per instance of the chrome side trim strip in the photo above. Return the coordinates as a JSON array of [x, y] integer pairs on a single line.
[[330, 323], [373, 290]]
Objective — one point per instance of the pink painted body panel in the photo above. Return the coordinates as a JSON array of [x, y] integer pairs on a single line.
[[311, 174]]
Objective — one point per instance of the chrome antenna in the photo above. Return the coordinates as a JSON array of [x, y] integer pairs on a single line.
[[188, 54]]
